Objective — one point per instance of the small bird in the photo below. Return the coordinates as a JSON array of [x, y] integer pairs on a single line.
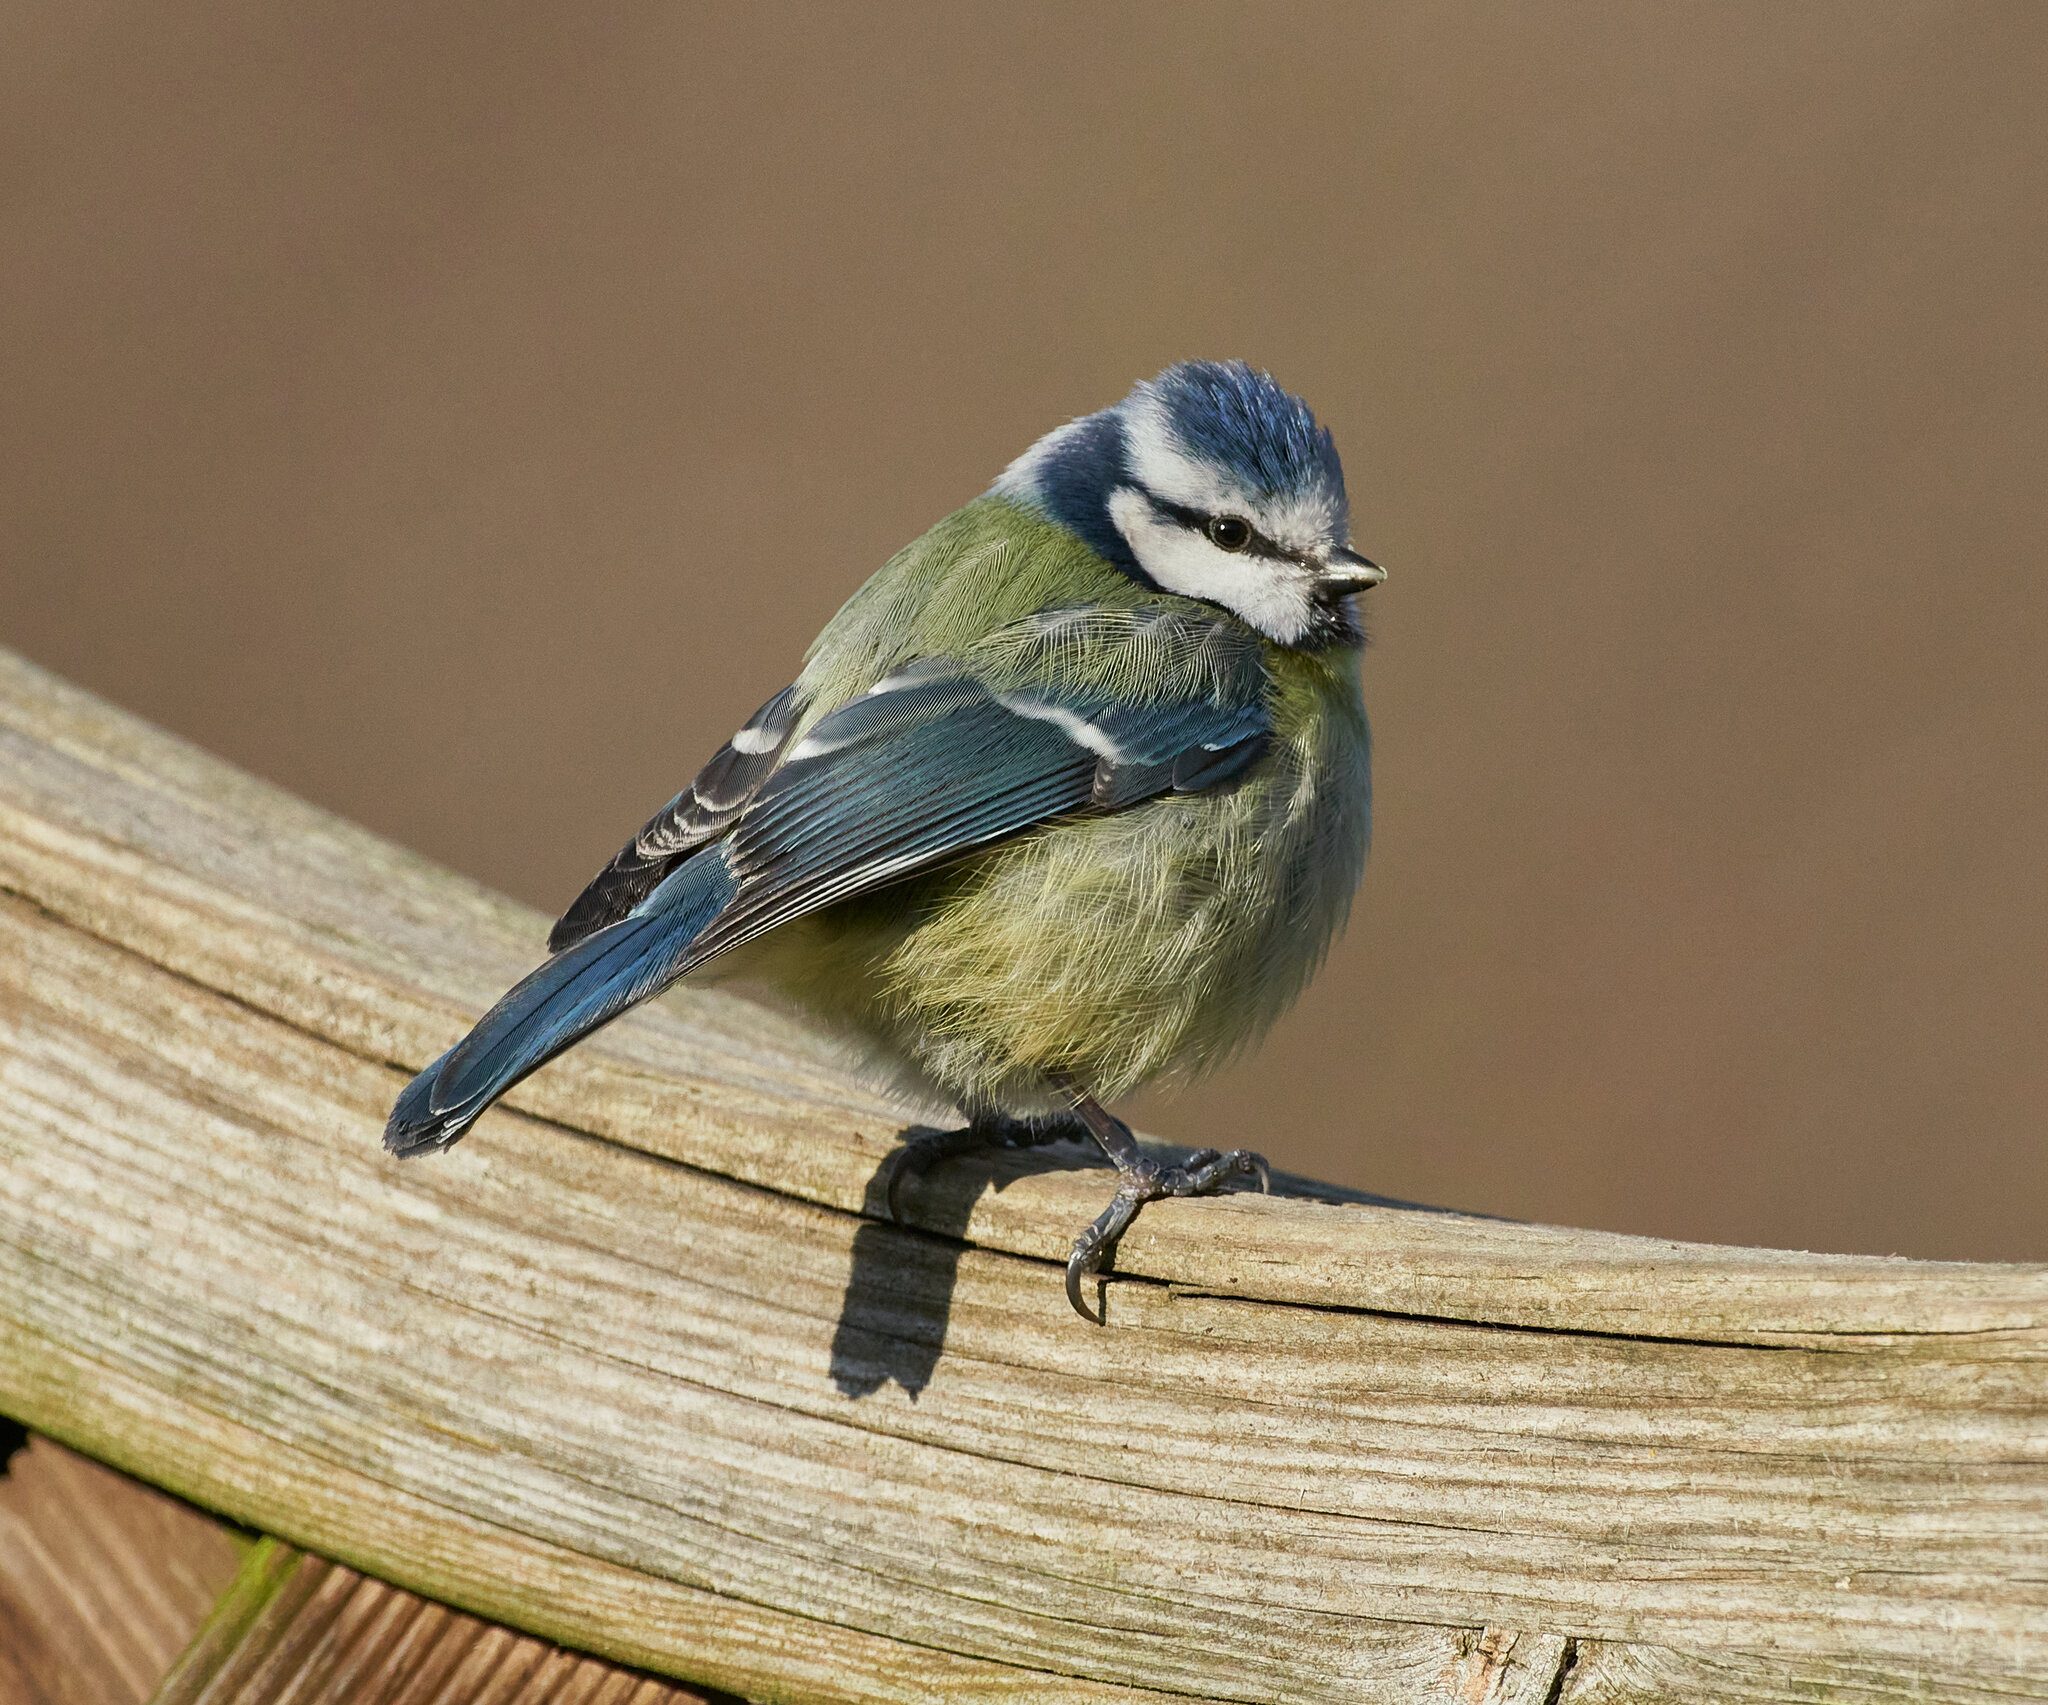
[[1071, 796]]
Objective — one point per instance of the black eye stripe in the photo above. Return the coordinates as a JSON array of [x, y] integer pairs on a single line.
[[1196, 521]]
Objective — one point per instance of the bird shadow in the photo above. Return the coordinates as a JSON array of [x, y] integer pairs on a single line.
[[899, 1292]]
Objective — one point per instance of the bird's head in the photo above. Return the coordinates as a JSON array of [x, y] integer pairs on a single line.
[[1212, 482]]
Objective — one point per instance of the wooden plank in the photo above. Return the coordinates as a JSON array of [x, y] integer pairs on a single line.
[[145, 842], [298, 1630], [102, 1580], [638, 1368]]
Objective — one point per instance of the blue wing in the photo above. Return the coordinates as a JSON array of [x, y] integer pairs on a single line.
[[932, 764]]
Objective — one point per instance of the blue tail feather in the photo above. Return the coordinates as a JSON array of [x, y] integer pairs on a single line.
[[561, 1002]]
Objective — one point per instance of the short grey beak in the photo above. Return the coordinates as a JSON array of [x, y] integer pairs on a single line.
[[1346, 572]]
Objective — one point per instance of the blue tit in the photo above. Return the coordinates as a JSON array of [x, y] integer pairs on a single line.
[[1071, 796]]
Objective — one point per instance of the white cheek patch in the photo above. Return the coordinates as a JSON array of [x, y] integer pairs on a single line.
[[1274, 597]]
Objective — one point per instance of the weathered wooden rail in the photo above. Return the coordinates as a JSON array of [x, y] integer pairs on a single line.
[[639, 1368]]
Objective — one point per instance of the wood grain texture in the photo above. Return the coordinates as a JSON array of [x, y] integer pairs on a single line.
[[102, 1580], [299, 1630], [638, 1368]]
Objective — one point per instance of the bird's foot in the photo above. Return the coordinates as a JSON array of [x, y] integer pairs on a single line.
[[1147, 1180], [920, 1153]]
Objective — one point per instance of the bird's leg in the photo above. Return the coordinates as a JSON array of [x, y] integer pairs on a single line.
[[983, 1130], [1143, 1180]]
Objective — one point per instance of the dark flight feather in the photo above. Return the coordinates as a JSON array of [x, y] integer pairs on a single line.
[[697, 816]]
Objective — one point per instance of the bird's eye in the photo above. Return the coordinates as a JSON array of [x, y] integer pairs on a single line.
[[1229, 532]]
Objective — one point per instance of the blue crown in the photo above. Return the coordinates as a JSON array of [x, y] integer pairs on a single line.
[[1237, 419]]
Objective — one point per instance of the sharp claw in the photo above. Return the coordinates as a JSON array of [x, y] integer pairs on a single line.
[[1078, 1267], [1142, 1179], [1094, 1247]]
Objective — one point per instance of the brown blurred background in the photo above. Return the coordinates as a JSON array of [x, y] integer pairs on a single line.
[[464, 414]]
